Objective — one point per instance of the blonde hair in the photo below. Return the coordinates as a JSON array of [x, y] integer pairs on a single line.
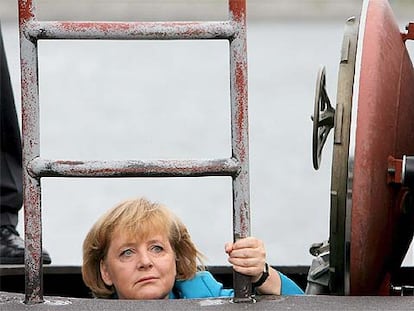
[[137, 217]]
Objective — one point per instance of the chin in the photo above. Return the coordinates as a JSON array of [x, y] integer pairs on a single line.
[[148, 294], [152, 296]]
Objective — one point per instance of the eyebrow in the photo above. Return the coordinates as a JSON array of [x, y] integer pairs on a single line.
[[133, 243], [157, 241], [123, 245]]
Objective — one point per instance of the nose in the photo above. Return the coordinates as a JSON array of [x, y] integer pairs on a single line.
[[144, 261]]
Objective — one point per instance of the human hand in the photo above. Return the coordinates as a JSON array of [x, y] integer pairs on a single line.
[[248, 256]]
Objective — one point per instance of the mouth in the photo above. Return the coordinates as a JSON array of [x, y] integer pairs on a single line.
[[146, 279]]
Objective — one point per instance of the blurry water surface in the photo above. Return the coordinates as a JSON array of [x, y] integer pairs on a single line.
[[151, 100]]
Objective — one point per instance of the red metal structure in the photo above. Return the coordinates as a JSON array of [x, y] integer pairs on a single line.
[[36, 167], [372, 209], [385, 128]]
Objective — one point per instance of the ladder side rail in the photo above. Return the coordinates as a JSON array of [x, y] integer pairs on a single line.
[[240, 139], [30, 150]]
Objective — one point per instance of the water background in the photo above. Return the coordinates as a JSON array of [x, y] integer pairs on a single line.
[[149, 100]]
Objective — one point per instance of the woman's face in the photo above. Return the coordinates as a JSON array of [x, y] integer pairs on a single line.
[[139, 269]]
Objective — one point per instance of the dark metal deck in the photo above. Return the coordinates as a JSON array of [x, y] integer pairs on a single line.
[[12, 302], [64, 290]]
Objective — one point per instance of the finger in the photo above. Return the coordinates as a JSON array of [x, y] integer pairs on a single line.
[[245, 253], [249, 242], [248, 267], [258, 253], [246, 262]]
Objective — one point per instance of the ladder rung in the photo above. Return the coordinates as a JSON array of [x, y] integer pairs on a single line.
[[40, 167], [130, 30]]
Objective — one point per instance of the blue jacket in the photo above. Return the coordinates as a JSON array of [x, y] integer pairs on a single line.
[[204, 285]]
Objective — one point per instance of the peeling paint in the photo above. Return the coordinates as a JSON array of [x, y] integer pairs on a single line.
[[236, 166], [131, 30]]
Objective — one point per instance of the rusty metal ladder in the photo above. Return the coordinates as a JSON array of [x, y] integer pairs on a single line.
[[36, 167]]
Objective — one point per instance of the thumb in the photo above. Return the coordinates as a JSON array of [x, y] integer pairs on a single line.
[[228, 247]]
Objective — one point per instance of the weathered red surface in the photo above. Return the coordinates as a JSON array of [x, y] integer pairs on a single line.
[[385, 127], [409, 35], [25, 10]]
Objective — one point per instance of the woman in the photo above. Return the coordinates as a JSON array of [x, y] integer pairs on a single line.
[[141, 250]]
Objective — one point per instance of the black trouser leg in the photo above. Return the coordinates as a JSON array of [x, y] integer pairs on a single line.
[[11, 157]]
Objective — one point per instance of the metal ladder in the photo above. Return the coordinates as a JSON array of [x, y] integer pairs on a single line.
[[36, 167]]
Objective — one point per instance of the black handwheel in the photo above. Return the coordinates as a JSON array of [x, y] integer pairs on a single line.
[[323, 118]]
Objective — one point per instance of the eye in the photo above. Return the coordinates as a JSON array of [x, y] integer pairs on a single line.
[[157, 248], [127, 253]]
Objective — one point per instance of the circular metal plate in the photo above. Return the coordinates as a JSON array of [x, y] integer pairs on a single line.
[[366, 211], [384, 128]]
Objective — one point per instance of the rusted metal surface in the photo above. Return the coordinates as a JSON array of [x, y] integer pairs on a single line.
[[239, 131], [409, 35], [131, 30], [133, 168], [35, 167], [395, 170], [31, 149], [384, 128]]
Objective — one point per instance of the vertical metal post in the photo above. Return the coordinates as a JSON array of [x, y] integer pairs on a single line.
[[31, 150], [240, 142]]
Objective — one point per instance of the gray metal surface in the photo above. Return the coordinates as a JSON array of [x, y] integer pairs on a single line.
[[341, 186], [14, 302]]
